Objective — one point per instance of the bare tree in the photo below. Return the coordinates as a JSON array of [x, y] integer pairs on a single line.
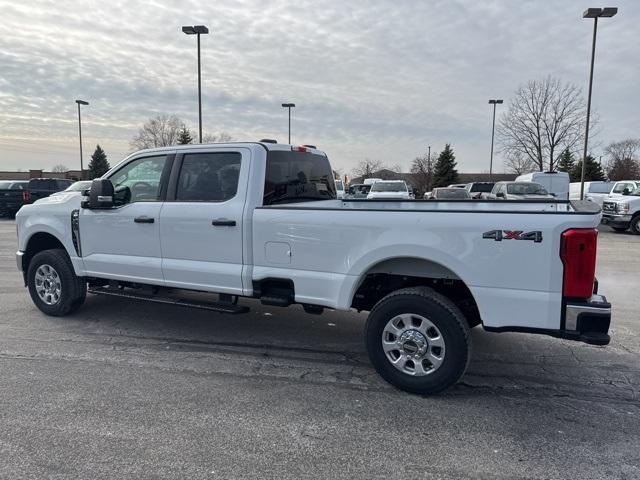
[[544, 118], [60, 168], [422, 170], [519, 163], [159, 131], [217, 137], [366, 168], [622, 159]]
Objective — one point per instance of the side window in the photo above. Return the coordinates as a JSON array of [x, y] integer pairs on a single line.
[[209, 177], [139, 180], [621, 186]]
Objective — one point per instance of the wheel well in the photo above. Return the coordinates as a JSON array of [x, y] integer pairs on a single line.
[[392, 275], [37, 243]]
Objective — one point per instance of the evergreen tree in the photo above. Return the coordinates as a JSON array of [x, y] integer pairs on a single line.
[[98, 165], [566, 163], [445, 172], [592, 171], [184, 136]]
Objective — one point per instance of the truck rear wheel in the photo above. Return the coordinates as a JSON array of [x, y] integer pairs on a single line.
[[635, 225], [53, 285], [418, 340]]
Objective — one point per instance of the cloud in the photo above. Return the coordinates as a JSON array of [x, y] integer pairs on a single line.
[[378, 79]]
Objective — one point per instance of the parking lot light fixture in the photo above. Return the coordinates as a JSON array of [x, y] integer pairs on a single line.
[[198, 30], [493, 102], [81, 102], [289, 106], [594, 13]]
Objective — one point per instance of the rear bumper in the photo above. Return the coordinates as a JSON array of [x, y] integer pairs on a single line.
[[615, 220], [583, 321], [588, 321]]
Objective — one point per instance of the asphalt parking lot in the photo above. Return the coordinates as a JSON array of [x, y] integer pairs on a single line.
[[136, 390]]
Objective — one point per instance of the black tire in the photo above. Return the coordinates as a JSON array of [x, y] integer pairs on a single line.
[[73, 289], [444, 315], [620, 229], [635, 225]]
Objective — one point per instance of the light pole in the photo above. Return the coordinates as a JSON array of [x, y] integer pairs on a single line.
[[80, 102], [594, 13], [198, 30], [289, 106], [493, 129]]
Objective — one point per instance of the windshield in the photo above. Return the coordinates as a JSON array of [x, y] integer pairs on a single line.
[[481, 187], [339, 185], [451, 193], [297, 177], [526, 189], [389, 187]]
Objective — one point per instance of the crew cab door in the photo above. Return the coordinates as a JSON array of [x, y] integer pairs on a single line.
[[201, 220], [123, 242]]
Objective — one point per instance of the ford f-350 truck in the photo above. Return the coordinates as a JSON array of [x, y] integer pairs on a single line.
[[262, 220]]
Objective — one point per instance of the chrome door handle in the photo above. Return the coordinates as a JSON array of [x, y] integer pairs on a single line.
[[223, 222]]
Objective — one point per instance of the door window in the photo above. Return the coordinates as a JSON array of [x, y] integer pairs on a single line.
[[209, 177], [139, 180], [621, 186]]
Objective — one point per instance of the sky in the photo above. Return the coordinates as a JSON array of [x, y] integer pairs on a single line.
[[371, 79]]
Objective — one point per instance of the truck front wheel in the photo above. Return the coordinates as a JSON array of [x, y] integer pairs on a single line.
[[635, 225], [418, 340], [53, 285]]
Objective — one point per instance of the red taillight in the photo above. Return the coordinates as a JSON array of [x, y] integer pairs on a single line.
[[578, 254], [25, 196]]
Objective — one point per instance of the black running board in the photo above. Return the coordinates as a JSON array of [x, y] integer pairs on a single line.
[[215, 307]]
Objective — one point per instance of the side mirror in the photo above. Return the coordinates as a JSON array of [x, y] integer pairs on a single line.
[[500, 195], [626, 191], [100, 195]]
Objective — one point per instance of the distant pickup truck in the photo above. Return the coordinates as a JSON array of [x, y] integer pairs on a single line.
[[262, 220], [11, 196]]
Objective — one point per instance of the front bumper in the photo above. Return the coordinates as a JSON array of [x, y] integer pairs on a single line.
[[588, 320], [19, 257], [616, 220]]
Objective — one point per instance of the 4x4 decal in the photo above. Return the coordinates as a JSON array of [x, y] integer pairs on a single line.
[[499, 235]]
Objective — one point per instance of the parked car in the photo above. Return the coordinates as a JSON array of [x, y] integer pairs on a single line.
[[595, 192], [519, 191], [476, 189], [389, 189], [43, 187], [11, 196], [623, 213], [555, 183], [340, 188], [358, 190], [449, 193], [426, 275], [78, 186]]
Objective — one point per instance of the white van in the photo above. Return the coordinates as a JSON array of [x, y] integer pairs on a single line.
[[594, 191], [556, 183]]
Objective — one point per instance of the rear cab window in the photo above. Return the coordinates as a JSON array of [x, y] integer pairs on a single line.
[[292, 177]]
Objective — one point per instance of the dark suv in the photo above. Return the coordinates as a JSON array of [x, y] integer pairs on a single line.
[[43, 187]]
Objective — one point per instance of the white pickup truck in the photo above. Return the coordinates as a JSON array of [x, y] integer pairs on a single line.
[[262, 220]]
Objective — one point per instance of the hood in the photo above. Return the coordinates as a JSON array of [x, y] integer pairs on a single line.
[[57, 197], [532, 197], [388, 195]]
